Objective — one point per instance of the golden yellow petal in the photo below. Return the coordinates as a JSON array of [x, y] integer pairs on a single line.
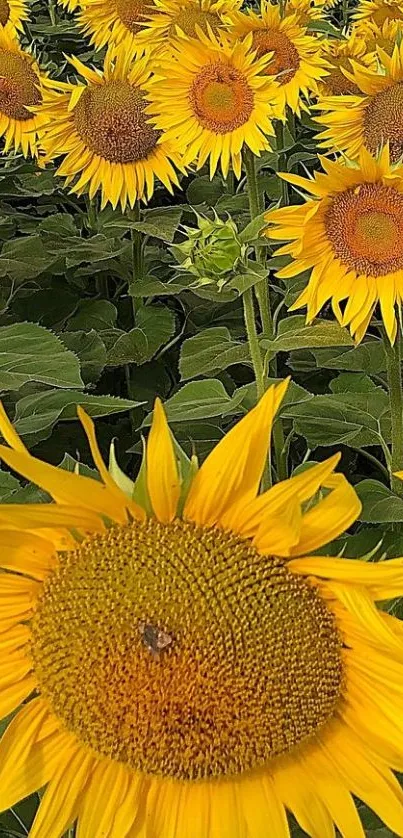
[[60, 803], [162, 470], [234, 468]]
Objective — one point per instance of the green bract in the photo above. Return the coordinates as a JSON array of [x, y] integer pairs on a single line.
[[211, 251]]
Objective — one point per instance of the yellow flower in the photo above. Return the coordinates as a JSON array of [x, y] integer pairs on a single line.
[[195, 672], [372, 118], [295, 55], [378, 11], [70, 5], [13, 13], [212, 99], [384, 37], [170, 18], [338, 55], [20, 90], [305, 10], [351, 234], [112, 23], [100, 128]]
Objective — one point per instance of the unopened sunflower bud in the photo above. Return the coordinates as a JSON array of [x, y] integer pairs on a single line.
[[211, 251]]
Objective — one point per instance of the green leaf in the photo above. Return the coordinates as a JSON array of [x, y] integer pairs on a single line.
[[326, 28], [36, 413], [357, 419], [8, 485], [155, 326], [93, 314], [90, 349], [368, 357], [161, 223], [379, 504], [294, 334], [211, 350], [202, 190], [199, 400], [253, 229], [29, 352], [25, 258]]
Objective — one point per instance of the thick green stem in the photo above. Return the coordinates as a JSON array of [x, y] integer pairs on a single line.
[[282, 161], [394, 373], [262, 295], [137, 257], [345, 12], [253, 341]]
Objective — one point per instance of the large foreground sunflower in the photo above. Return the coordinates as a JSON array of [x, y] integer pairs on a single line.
[[372, 118], [100, 128], [212, 99], [20, 90], [172, 17], [351, 234], [295, 55], [194, 670]]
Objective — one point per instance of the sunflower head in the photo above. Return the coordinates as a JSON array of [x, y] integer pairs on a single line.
[[114, 22], [12, 14], [376, 114], [384, 37], [295, 55], [378, 11], [211, 99], [171, 18], [351, 235], [125, 627], [338, 55], [20, 94], [101, 130]]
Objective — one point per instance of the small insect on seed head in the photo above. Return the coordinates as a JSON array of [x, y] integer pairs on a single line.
[[154, 638]]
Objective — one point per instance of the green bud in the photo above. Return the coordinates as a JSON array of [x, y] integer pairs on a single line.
[[211, 250]]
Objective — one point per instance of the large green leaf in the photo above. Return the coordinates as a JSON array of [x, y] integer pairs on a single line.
[[199, 400], [356, 419], [25, 258], [155, 325], [379, 504], [293, 333], [29, 352], [211, 350]]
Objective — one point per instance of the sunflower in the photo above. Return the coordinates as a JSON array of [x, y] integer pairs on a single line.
[[377, 11], [351, 234], [338, 55], [112, 22], [173, 17], [372, 118], [195, 670], [100, 128], [296, 58], [13, 13], [212, 99], [20, 90], [70, 5], [384, 37], [306, 11]]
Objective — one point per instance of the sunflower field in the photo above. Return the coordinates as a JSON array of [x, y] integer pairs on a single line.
[[201, 418]]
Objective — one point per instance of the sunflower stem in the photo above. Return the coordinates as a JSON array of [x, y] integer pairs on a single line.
[[137, 258], [253, 341], [262, 295], [394, 374]]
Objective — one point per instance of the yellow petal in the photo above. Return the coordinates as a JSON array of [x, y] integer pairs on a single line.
[[101, 799], [330, 517], [12, 696], [64, 486], [234, 468], [126, 813], [162, 470], [23, 746], [60, 803], [48, 516], [299, 797], [263, 811], [383, 580], [9, 434], [333, 793], [26, 553]]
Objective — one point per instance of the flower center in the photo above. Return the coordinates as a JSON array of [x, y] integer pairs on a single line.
[[18, 85], [388, 11], [132, 13], [4, 12], [383, 121], [365, 227], [337, 84], [182, 652], [285, 61], [221, 98], [190, 17], [111, 122]]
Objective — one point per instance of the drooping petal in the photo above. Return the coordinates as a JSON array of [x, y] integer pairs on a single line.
[[162, 470]]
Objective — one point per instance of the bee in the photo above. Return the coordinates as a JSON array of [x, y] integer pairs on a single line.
[[154, 638]]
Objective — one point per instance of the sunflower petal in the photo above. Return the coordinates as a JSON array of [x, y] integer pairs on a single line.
[[162, 470]]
